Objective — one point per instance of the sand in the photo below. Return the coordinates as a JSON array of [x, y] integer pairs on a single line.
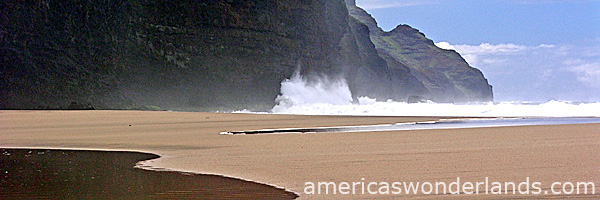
[[191, 142], [87, 174]]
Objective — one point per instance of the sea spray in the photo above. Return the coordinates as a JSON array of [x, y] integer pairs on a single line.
[[502, 109], [321, 91], [333, 97]]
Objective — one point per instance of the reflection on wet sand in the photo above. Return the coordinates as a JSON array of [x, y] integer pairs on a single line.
[[71, 174]]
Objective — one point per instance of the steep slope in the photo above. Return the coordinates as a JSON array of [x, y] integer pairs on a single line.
[[445, 74], [375, 75], [200, 55], [181, 54], [172, 54]]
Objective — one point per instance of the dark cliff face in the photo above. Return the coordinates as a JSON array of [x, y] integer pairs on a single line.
[[175, 54], [376, 76], [188, 55], [445, 74]]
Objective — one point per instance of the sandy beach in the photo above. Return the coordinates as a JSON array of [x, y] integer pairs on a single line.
[[190, 142]]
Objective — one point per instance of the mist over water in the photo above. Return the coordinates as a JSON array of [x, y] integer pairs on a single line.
[[322, 91], [325, 97]]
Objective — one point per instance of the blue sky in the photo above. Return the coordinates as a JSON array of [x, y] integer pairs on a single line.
[[530, 50], [526, 22]]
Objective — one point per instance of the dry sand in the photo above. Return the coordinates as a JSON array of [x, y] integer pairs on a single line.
[[191, 142]]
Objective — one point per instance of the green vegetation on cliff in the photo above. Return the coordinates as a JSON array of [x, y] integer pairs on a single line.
[[445, 74], [207, 54]]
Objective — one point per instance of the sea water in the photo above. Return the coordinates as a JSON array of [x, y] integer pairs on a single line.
[[438, 124], [299, 97], [334, 98], [371, 107]]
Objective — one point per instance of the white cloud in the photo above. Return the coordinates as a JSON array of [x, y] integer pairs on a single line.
[[487, 48], [542, 72], [382, 4], [445, 45], [476, 54], [547, 46]]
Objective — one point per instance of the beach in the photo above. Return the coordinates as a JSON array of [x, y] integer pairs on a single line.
[[88, 174], [190, 142]]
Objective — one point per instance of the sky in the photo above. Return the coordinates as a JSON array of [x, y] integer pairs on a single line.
[[530, 50]]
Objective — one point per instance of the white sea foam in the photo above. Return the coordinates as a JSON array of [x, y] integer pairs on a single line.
[[297, 91], [334, 98]]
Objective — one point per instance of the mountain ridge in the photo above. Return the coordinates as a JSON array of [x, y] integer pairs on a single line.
[[202, 55], [445, 74]]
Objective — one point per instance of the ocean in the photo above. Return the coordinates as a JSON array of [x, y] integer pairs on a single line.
[[334, 98], [329, 97]]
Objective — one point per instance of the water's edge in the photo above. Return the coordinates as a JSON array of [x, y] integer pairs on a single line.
[[36, 172], [428, 125]]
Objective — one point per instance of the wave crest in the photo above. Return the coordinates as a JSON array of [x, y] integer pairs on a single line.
[[333, 97]]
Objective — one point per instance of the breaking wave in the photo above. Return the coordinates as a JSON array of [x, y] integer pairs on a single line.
[[324, 97], [298, 91]]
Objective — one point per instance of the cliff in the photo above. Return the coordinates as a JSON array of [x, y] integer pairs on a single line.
[[187, 55], [445, 74]]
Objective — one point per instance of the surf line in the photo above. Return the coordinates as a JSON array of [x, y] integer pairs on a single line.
[[426, 125]]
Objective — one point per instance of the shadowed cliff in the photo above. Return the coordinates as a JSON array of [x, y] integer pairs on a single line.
[[189, 55]]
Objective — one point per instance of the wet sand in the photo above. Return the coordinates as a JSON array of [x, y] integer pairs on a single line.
[[191, 142], [76, 174]]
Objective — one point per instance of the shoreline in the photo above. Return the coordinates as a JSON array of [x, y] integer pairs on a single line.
[[190, 142], [146, 164], [27, 172], [456, 123]]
